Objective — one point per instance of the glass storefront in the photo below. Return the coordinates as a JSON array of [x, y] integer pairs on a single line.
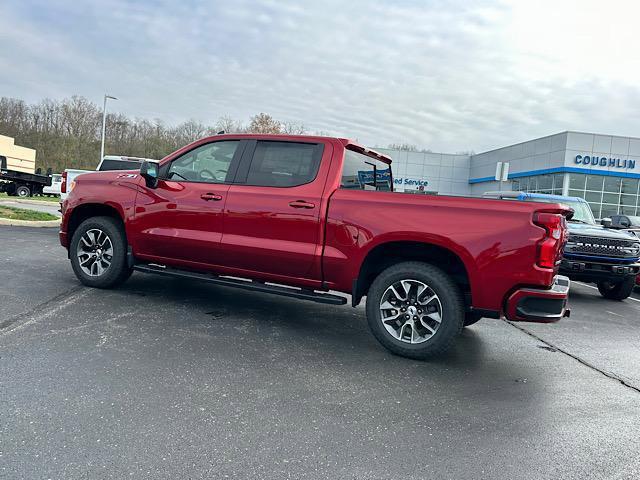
[[551, 184], [606, 195]]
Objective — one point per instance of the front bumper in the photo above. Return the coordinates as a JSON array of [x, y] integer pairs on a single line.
[[62, 233], [64, 239], [538, 305], [593, 271]]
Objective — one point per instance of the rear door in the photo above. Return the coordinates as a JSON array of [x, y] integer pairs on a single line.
[[272, 224], [181, 220]]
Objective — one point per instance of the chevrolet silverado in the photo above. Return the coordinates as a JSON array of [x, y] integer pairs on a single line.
[[305, 216]]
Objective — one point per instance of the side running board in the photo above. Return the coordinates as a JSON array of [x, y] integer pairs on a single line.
[[245, 284]]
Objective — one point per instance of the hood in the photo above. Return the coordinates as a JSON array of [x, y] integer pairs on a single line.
[[599, 231]]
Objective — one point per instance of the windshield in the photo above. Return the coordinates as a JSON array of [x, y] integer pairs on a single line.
[[635, 221], [582, 211]]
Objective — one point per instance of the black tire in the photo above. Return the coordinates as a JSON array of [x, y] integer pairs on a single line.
[[118, 271], [471, 317], [23, 191], [452, 316], [618, 290]]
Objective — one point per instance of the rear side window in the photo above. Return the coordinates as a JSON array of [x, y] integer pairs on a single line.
[[361, 172], [284, 164], [108, 165]]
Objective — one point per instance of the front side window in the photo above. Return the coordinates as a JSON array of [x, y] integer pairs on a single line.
[[284, 164], [208, 163], [362, 172]]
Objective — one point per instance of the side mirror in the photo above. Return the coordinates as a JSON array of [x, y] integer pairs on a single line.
[[606, 222], [149, 171]]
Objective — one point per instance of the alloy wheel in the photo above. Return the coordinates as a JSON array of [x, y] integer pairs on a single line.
[[94, 252], [410, 311]]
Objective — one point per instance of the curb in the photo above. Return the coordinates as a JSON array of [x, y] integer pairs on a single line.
[[29, 201], [29, 223]]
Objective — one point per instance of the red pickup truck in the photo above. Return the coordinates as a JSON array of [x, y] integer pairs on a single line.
[[303, 215]]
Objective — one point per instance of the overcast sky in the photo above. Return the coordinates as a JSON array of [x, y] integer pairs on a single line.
[[444, 75]]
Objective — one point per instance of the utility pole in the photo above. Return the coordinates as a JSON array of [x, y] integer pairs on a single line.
[[104, 123]]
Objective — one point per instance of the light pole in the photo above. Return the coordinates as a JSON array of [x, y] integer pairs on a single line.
[[104, 123]]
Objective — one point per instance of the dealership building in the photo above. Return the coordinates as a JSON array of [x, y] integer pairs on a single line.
[[603, 169]]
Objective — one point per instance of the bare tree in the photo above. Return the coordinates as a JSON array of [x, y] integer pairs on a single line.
[[405, 147], [264, 123], [66, 133], [291, 128], [227, 124]]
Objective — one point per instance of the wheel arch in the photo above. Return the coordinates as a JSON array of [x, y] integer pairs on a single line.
[[88, 210], [389, 253]]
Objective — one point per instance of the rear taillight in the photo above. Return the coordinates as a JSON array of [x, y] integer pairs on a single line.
[[63, 185], [551, 245]]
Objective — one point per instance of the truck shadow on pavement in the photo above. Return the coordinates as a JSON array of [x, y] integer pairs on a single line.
[[261, 329]]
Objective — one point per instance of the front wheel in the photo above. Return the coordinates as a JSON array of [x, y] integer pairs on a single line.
[[617, 290], [415, 310], [98, 253]]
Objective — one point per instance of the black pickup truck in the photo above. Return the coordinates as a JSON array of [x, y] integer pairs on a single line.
[[21, 184], [593, 254]]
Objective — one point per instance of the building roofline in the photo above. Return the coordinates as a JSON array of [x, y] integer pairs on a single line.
[[553, 135], [522, 143]]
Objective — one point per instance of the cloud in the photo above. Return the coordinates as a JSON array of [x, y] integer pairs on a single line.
[[445, 75]]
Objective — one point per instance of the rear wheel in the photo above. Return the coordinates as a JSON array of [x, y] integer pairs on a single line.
[[98, 253], [617, 290], [415, 310], [23, 191]]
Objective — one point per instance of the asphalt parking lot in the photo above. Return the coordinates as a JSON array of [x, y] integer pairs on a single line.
[[167, 378]]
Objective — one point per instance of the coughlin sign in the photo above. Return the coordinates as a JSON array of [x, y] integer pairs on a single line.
[[625, 164]]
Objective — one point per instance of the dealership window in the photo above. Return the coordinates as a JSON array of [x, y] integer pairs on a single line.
[[607, 195], [577, 181], [550, 184]]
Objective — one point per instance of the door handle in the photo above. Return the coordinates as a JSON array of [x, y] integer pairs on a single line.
[[211, 196], [301, 204]]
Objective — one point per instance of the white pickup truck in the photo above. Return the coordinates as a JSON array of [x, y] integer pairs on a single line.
[[108, 163]]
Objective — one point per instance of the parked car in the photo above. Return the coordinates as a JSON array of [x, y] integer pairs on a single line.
[[56, 184], [629, 223], [301, 216], [595, 254], [121, 162], [18, 183], [108, 163], [69, 180]]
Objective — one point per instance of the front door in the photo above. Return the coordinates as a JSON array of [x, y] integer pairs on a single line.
[[180, 222]]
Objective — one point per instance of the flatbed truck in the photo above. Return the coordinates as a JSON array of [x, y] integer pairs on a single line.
[[21, 184]]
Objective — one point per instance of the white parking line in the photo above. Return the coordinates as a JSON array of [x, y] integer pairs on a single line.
[[596, 288]]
